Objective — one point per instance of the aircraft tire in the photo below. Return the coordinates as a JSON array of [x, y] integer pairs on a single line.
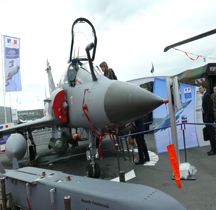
[[97, 171], [89, 171]]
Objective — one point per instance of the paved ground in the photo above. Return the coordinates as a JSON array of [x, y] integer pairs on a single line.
[[196, 194]]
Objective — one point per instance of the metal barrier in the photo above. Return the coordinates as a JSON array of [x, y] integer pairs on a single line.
[[165, 127], [183, 127]]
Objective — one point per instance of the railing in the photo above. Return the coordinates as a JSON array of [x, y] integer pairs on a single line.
[[183, 127], [165, 127]]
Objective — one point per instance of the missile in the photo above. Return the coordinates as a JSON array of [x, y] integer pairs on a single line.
[[51, 187], [15, 146], [59, 145]]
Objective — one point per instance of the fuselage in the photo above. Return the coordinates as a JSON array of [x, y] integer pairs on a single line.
[[104, 102]]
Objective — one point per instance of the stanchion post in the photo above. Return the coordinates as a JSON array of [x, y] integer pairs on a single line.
[[122, 176], [184, 142], [67, 202], [121, 173], [3, 192], [117, 148]]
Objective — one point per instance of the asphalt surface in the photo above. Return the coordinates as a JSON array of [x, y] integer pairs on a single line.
[[196, 194]]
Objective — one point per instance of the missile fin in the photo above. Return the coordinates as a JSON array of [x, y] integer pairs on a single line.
[[2, 170], [15, 164]]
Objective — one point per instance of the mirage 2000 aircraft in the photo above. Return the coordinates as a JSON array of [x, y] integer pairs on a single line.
[[84, 99]]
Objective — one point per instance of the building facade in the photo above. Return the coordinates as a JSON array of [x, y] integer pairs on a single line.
[[8, 115], [30, 114]]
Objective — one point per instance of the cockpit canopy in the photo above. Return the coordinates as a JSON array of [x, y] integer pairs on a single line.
[[83, 75]]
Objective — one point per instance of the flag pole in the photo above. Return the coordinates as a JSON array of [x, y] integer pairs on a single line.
[[10, 100], [3, 82]]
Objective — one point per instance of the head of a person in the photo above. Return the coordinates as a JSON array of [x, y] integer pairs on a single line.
[[214, 89], [104, 66], [202, 88]]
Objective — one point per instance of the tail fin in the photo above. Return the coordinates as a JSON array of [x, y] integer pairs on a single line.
[[45, 92], [50, 78]]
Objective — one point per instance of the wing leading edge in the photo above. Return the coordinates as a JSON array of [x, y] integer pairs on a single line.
[[30, 125]]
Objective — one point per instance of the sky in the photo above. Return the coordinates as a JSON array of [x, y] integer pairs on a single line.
[[131, 37]]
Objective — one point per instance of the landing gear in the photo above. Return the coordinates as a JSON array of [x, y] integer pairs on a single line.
[[89, 171], [32, 155], [93, 169], [32, 149], [97, 170]]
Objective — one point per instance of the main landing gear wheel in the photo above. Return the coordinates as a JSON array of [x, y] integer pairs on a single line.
[[89, 171], [93, 171]]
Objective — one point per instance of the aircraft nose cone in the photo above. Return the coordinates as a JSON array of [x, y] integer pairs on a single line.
[[125, 102]]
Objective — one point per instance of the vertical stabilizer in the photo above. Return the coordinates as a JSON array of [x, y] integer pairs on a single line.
[[50, 78]]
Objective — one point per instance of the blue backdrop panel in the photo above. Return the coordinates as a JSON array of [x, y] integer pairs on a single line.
[[161, 117]]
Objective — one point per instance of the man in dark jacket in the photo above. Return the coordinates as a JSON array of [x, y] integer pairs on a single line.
[[208, 117]]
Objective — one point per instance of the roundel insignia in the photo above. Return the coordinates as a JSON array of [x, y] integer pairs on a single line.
[[58, 110]]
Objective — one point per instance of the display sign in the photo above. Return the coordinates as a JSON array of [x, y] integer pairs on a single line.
[[161, 118], [12, 64]]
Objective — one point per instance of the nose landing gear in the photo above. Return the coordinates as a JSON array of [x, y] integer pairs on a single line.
[[92, 169]]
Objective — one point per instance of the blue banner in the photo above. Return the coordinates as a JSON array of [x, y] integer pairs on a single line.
[[161, 117], [12, 64]]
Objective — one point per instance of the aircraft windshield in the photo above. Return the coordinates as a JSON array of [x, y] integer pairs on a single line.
[[83, 75]]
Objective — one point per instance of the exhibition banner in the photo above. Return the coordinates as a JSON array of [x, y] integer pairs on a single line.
[[12, 64], [161, 117]]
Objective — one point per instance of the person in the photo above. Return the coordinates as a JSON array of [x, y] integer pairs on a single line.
[[213, 98], [142, 147], [208, 117], [108, 72]]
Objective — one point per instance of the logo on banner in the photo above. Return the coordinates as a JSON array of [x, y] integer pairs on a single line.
[[11, 43], [187, 92]]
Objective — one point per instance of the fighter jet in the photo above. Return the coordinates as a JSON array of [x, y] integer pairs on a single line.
[[12, 70], [164, 122], [84, 98]]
